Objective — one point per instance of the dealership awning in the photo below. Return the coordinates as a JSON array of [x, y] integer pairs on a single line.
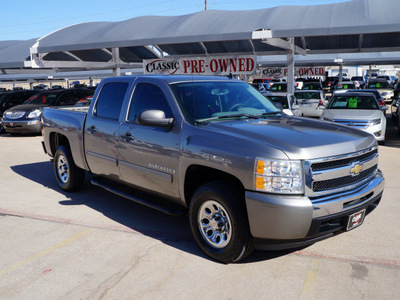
[[348, 27], [13, 54]]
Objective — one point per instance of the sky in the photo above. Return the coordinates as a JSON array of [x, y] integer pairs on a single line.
[[26, 19]]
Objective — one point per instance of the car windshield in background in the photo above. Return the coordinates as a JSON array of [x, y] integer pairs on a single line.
[[280, 99], [353, 102], [345, 86], [307, 95], [277, 87], [220, 99], [42, 99], [379, 85], [311, 86]]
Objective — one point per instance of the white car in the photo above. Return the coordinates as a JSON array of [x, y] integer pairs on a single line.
[[288, 103], [383, 87], [312, 102], [358, 110]]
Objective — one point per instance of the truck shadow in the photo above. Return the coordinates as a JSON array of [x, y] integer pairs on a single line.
[[170, 230]]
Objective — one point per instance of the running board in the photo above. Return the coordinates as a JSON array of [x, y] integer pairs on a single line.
[[139, 196]]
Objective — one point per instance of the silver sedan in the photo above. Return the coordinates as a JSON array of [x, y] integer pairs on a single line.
[[358, 110]]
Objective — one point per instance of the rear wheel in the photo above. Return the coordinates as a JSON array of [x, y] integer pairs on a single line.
[[69, 177], [219, 222]]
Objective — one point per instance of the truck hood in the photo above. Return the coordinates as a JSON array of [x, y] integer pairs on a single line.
[[351, 114], [298, 138]]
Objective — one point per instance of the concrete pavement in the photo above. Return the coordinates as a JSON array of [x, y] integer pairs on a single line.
[[95, 245]]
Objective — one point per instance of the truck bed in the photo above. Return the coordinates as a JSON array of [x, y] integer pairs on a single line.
[[69, 122]]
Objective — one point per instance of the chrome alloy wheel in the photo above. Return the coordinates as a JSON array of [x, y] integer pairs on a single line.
[[63, 169], [214, 224]]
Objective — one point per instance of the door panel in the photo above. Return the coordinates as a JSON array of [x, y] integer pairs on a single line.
[[148, 155], [101, 129]]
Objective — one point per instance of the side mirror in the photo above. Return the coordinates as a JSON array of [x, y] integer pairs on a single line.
[[295, 106], [155, 118], [385, 107]]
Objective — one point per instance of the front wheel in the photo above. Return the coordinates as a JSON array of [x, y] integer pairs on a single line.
[[69, 177], [219, 222]]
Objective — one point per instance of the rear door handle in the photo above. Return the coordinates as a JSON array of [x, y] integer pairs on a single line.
[[127, 137]]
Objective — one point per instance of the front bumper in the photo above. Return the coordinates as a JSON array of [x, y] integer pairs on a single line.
[[282, 222], [26, 126]]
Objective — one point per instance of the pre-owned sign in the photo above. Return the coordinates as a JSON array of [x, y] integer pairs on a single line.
[[298, 71], [209, 65]]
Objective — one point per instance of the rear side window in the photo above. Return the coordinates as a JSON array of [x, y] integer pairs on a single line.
[[110, 100]]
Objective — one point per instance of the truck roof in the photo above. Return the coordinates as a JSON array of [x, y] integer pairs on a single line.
[[174, 78]]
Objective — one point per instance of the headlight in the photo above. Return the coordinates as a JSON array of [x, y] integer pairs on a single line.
[[279, 176], [34, 114], [375, 122]]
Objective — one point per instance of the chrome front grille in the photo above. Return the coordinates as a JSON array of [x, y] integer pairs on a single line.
[[12, 115], [336, 174], [354, 123]]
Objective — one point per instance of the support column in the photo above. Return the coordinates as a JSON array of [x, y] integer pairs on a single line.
[[290, 67], [116, 60], [340, 73]]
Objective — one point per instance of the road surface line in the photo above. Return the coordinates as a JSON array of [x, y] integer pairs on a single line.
[[309, 281], [47, 251]]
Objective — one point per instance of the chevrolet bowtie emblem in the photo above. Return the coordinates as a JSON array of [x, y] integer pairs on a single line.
[[356, 169]]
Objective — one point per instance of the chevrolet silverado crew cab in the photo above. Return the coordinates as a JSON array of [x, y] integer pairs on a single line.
[[247, 175]]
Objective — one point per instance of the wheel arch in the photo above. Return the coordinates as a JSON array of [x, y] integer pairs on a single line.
[[197, 176]]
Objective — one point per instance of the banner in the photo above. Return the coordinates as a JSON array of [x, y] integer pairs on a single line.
[[208, 65], [298, 71]]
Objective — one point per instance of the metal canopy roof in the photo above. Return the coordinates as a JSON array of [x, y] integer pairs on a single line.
[[349, 59], [14, 53], [354, 26]]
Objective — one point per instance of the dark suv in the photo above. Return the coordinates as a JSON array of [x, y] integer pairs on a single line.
[[26, 118], [10, 99]]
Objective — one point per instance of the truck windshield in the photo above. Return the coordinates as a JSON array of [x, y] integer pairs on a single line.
[[353, 102], [213, 99]]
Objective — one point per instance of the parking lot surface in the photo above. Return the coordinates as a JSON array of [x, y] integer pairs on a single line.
[[95, 245]]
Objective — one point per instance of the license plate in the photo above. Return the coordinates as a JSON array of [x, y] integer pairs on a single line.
[[356, 219]]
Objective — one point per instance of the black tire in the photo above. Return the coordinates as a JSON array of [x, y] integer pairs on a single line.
[[219, 223], [398, 125], [69, 177]]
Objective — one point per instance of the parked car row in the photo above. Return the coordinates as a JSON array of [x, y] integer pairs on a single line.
[[21, 111], [362, 109]]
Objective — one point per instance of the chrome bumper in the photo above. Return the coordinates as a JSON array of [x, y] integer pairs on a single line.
[[300, 218]]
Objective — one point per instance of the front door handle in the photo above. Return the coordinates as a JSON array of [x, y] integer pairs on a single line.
[[127, 137], [92, 129]]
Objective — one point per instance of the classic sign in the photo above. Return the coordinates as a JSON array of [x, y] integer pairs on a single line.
[[298, 71], [209, 65]]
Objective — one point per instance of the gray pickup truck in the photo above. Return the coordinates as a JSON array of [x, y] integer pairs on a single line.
[[247, 175]]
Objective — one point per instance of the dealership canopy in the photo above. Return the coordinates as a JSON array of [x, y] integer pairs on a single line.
[[353, 26]]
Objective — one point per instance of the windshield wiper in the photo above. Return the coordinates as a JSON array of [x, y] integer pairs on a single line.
[[272, 113], [250, 116]]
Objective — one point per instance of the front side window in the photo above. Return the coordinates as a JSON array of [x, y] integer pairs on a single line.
[[148, 96], [110, 100]]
